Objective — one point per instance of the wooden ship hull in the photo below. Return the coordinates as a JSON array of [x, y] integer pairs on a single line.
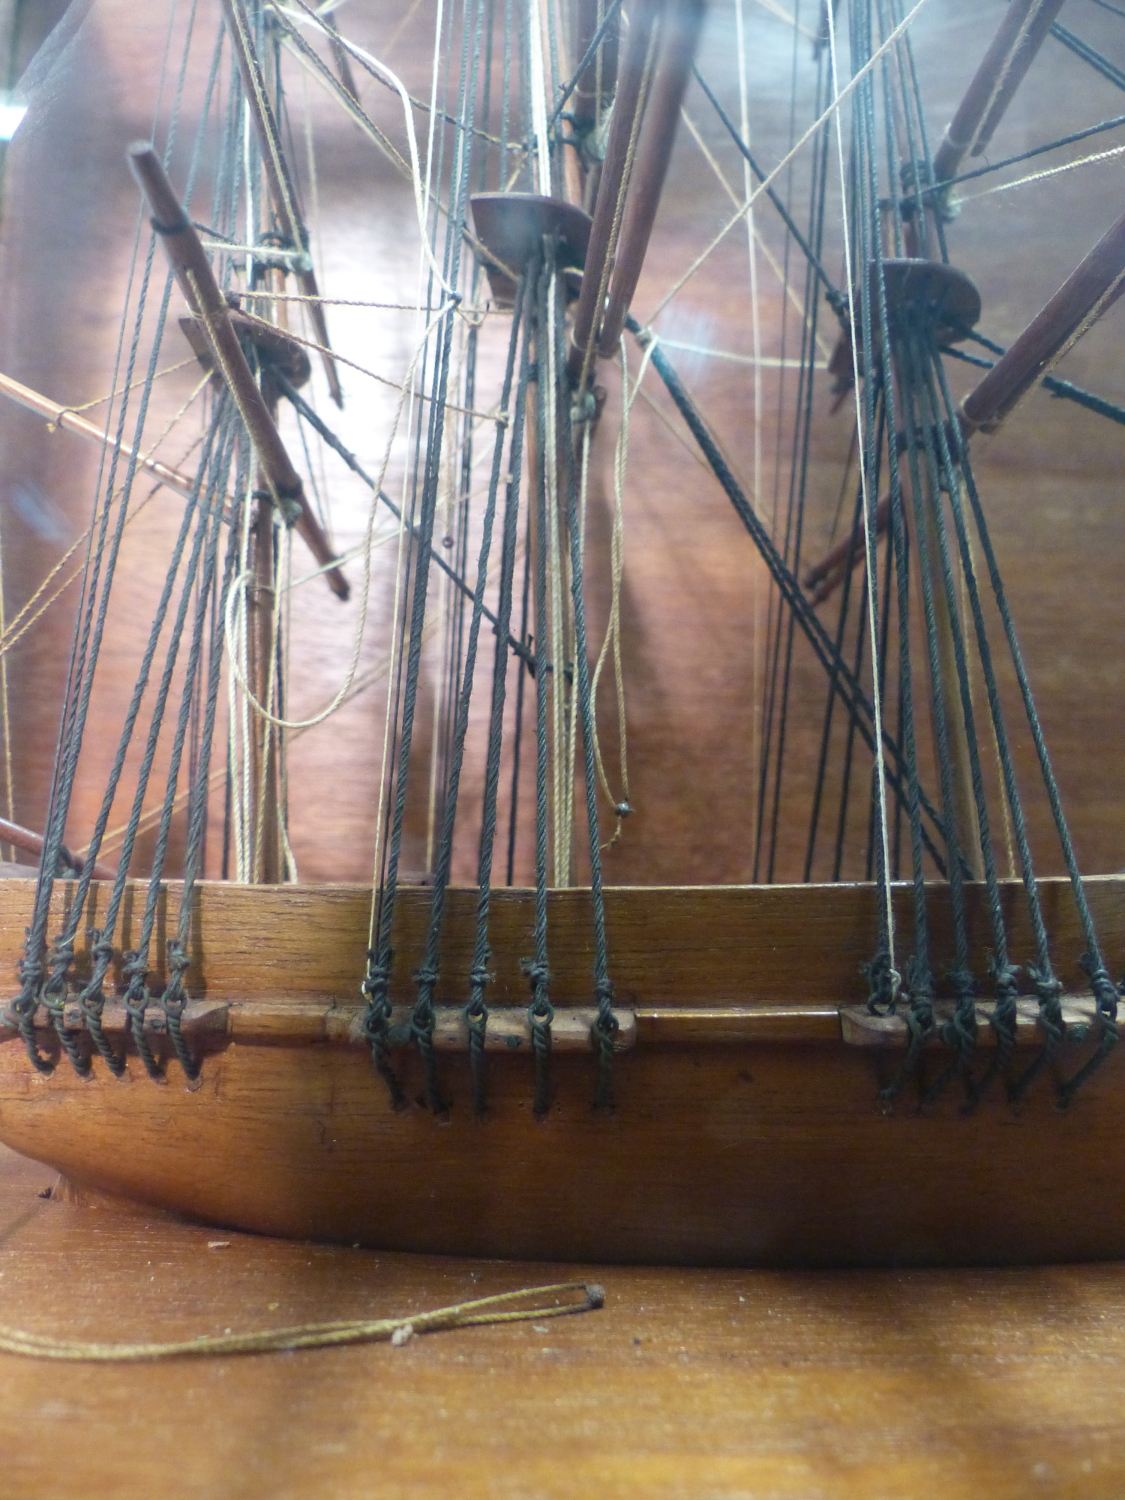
[[744, 1129]]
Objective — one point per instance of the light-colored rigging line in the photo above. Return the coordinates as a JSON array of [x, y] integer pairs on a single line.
[[562, 777], [621, 804], [766, 361], [365, 680], [784, 15], [136, 386], [463, 310], [757, 638], [393, 40], [1070, 166], [399, 622], [868, 527], [770, 258], [771, 177], [236, 602], [421, 198], [538, 82], [33, 610], [386, 379]]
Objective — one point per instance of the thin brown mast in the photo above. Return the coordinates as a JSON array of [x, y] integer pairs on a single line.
[[279, 486], [632, 85], [201, 290], [1091, 288], [278, 181], [1022, 31], [678, 42], [69, 421]]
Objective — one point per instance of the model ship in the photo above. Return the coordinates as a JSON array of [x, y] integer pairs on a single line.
[[895, 1043]]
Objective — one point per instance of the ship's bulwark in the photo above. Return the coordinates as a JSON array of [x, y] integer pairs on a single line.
[[724, 1153]]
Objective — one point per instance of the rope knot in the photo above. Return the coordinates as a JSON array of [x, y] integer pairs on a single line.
[[177, 960], [961, 982], [31, 972], [960, 1032], [645, 337], [1048, 989], [376, 983], [62, 956], [537, 974], [584, 408], [1105, 992], [883, 984], [1006, 980]]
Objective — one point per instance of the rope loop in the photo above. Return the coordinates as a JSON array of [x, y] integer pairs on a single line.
[[31, 975], [55, 989], [92, 1000], [138, 997], [476, 1020], [21, 1013], [1050, 1020], [1003, 1022], [883, 984], [540, 1014], [603, 1038], [174, 998], [376, 1021], [1106, 995], [173, 1002], [920, 1026], [422, 1034], [1049, 989]]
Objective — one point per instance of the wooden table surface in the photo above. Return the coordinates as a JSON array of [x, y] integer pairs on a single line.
[[698, 1384]]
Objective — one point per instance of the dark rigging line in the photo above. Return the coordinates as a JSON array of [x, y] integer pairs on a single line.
[[324, 431], [587, 58], [1089, 55], [1065, 390], [835, 297], [839, 671]]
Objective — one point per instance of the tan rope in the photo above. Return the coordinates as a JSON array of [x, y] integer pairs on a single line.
[[619, 210], [771, 177], [481, 416], [53, 422], [1083, 161], [481, 1310]]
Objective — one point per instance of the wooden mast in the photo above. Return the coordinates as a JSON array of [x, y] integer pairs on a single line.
[[1022, 31], [279, 485], [279, 184], [1091, 288], [201, 290]]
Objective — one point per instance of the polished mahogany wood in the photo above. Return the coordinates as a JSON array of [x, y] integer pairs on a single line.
[[723, 1148]]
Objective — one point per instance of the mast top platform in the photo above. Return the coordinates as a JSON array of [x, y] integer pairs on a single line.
[[950, 296], [511, 227]]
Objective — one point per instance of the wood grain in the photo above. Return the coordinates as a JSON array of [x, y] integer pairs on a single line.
[[679, 946], [726, 1384], [722, 1148]]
